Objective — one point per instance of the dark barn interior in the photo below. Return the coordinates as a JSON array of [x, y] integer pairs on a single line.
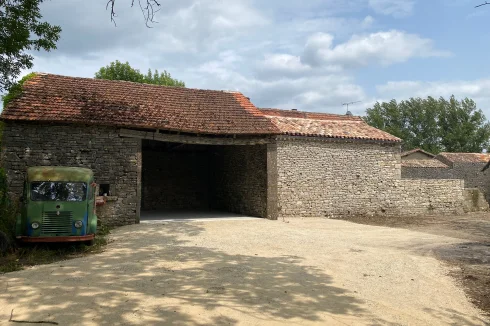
[[186, 177]]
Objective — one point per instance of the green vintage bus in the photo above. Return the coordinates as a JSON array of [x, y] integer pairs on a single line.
[[57, 205]]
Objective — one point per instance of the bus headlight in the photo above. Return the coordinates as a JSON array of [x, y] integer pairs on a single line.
[[78, 224], [35, 225]]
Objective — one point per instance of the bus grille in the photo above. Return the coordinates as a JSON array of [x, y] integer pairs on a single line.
[[54, 224]]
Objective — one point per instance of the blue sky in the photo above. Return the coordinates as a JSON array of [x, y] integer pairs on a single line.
[[310, 55]]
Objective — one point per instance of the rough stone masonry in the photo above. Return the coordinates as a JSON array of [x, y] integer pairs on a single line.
[[315, 177], [338, 178], [471, 173], [113, 159]]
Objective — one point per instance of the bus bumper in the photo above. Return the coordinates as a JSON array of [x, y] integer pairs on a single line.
[[74, 238]]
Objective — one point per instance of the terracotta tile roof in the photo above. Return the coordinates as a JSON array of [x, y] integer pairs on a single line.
[[431, 163], [417, 150], [308, 115], [298, 123], [53, 98], [465, 157]]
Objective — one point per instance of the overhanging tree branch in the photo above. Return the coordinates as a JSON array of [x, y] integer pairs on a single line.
[[148, 8], [483, 4]]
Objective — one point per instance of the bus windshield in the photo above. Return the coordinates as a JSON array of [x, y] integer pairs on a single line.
[[58, 191]]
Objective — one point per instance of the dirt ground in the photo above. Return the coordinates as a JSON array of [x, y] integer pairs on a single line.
[[253, 272], [472, 256]]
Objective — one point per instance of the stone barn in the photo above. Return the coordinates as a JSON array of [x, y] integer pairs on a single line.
[[469, 167], [156, 148]]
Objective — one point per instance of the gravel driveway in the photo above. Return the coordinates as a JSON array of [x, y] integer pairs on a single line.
[[251, 272]]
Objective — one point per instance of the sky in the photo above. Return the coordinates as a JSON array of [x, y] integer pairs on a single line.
[[311, 55]]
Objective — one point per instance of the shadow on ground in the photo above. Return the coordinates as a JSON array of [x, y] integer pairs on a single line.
[[173, 281]]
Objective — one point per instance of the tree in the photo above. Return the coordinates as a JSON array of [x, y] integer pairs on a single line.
[[163, 78], [433, 125], [22, 30], [123, 71], [119, 71]]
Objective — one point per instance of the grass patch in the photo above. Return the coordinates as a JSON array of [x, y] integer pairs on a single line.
[[45, 253]]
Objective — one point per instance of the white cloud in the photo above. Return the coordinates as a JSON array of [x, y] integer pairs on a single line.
[[396, 8], [182, 26], [284, 62], [275, 66], [286, 54], [322, 92], [340, 26], [367, 22], [385, 48]]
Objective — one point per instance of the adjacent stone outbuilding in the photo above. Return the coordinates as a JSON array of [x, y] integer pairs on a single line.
[[338, 166], [419, 164], [469, 167], [154, 147]]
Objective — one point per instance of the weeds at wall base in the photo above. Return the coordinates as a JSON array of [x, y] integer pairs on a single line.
[[40, 254]]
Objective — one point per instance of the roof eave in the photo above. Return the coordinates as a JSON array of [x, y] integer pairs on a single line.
[[356, 139]]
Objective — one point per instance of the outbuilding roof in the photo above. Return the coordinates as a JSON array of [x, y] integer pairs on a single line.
[[61, 99], [403, 154], [465, 157], [312, 124]]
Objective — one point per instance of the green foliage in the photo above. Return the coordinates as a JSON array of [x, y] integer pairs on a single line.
[[433, 125], [22, 31], [16, 89], [11, 265], [30, 255], [119, 71], [123, 71], [163, 78]]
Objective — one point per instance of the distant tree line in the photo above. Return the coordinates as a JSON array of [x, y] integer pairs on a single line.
[[435, 125]]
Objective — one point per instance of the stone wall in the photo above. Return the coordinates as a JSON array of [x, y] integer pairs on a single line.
[[314, 177], [474, 200], [339, 178], [472, 176], [419, 197], [426, 173], [240, 179], [469, 172], [114, 160]]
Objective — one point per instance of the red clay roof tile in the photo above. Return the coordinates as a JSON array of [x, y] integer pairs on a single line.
[[466, 157], [61, 99], [53, 98], [299, 123]]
